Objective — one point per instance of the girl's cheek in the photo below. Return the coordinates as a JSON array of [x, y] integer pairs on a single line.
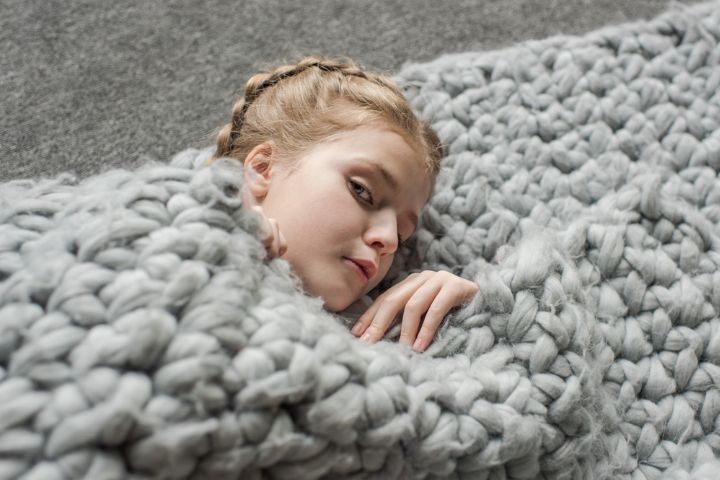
[[384, 267], [341, 216]]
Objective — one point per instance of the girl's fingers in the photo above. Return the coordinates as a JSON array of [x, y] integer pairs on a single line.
[[432, 294], [264, 226], [443, 301], [382, 320], [272, 239], [274, 250], [449, 296], [416, 306], [366, 318], [373, 324], [282, 243]]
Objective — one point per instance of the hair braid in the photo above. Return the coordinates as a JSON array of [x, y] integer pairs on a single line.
[[260, 82], [314, 105]]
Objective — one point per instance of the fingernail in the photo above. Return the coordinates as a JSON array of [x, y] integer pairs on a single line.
[[419, 344], [365, 337], [356, 329]]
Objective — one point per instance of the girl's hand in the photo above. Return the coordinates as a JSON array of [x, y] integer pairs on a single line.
[[430, 293], [273, 240]]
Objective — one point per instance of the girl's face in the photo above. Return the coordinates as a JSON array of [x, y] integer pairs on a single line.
[[346, 201]]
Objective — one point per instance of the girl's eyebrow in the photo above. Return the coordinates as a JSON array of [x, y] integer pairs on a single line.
[[392, 181], [383, 171]]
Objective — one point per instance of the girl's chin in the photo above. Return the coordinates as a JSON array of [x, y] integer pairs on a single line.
[[337, 305], [339, 301], [334, 300], [337, 295]]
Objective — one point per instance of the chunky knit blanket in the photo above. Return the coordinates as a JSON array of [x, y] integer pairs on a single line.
[[144, 335]]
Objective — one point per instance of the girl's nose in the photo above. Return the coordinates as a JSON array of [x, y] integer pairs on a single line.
[[382, 233]]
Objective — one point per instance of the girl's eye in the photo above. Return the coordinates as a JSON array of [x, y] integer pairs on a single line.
[[359, 189]]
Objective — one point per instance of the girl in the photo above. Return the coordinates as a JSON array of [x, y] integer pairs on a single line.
[[339, 167]]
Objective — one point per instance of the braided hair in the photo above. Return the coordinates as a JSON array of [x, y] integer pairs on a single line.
[[296, 106]]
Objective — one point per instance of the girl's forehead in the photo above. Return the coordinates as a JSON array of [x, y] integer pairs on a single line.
[[381, 151]]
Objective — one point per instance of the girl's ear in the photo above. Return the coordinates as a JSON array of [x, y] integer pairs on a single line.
[[258, 172]]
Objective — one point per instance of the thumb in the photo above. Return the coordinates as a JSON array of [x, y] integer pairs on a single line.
[[265, 228], [282, 244]]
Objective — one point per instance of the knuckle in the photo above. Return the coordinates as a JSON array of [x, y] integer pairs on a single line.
[[436, 310], [413, 308], [374, 330], [428, 334], [393, 298]]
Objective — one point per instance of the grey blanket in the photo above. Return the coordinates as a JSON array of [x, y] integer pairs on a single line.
[[143, 335]]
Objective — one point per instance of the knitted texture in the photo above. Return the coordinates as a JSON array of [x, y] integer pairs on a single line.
[[614, 141], [143, 335]]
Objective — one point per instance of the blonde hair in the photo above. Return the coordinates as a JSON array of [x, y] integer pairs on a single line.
[[296, 106]]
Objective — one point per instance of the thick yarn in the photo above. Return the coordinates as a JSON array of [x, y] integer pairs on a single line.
[[142, 335], [613, 141]]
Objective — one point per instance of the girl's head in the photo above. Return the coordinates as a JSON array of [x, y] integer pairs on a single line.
[[337, 156]]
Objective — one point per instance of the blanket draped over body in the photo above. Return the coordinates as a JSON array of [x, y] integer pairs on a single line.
[[143, 335]]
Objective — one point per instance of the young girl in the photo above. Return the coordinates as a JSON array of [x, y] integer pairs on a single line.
[[339, 167]]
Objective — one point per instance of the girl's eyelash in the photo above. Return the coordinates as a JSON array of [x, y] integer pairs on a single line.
[[354, 184], [358, 184]]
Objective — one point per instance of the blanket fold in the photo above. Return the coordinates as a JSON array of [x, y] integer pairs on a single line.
[[140, 317], [143, 334]]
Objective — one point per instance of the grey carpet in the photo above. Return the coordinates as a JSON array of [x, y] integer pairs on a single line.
[[141, 331], [89, 85]]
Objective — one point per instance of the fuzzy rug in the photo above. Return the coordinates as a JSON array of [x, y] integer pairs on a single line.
[[142, 335]]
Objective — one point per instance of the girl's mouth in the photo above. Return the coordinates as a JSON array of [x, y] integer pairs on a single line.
[[362, 274]]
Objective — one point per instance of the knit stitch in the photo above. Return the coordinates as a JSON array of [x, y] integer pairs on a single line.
[[144, 335]]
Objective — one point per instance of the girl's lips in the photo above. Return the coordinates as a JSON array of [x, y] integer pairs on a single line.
[[359, 270]]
